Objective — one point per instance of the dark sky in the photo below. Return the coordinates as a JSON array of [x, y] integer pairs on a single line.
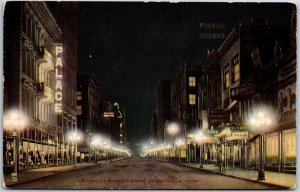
[[129, 47]]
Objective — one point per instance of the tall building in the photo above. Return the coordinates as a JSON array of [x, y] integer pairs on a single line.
[[66, 16], [153, 128], [163, 108], [254, 66], [88, 116], [184, 94], [106, 116], [36, 83], [118, 124]]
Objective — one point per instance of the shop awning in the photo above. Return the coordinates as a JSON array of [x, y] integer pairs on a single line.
[[237, 135], [232, 135], [212, 140], [224, 132], [253, 138]]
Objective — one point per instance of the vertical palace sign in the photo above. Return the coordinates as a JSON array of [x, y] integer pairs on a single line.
[[58, 75]]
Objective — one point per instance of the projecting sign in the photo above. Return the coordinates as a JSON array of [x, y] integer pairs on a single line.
[[237, 135], [217, 116], [108, 114], [58, 75], [242, 92]]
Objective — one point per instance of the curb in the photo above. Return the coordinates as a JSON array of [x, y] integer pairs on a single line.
[[242, 178], [27, 181]]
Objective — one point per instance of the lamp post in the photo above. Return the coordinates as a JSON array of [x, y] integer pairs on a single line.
[[107, 147], [172, 129], [15, 120], [96, 142], [259, 121], [179, 143], [200, 138], [75, 137]]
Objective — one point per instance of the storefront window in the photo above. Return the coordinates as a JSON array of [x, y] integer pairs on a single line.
[[289, 150], [272, 149]]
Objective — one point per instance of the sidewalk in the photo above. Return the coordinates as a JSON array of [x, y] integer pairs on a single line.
[[35, 173], [285, 180]]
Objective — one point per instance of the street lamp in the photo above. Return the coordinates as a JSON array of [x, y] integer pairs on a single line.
[[107, 146], [172, 129], [200, 138], [262, 119], [96, 142], [179, 143], [15, 120], [75, 137]]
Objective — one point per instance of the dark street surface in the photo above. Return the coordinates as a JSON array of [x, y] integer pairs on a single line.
[[139, 173]]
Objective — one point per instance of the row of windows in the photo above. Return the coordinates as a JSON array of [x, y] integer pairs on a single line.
[[28, 64], [28, 103], [231, 72], [286, 101], [30, 28]]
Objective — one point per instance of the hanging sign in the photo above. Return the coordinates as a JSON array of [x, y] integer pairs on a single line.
[[58, 75]]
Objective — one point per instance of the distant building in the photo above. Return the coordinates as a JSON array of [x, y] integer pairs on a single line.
[[88, 121], [118, 134], [163, 108], [184, 96], [106, 118], [153, 127]]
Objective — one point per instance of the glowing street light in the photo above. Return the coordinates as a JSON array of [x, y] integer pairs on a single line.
[[261, 120], [173, 129], [179, 143], [107, 147], [15, 120], [96, 142], [75, 137], [200, 138]]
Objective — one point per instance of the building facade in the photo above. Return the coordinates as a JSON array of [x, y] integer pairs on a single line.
[[35, 84]]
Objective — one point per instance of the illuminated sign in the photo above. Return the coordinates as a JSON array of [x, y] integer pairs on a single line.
[[217, 116], [242, 92], [108, 114], [58, 75], [239, 135]]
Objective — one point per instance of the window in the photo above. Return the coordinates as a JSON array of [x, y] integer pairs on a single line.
[[79, 110], [192, 99], [78, 96], [236, 75], [226, 73], [236, 69], [192, 81]]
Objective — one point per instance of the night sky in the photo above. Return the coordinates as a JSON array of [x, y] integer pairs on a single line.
[[129, 47]]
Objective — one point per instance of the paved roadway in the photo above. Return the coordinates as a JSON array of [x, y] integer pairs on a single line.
[[139, 173]]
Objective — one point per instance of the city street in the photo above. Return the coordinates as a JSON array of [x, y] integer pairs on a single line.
[[139, 173]]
